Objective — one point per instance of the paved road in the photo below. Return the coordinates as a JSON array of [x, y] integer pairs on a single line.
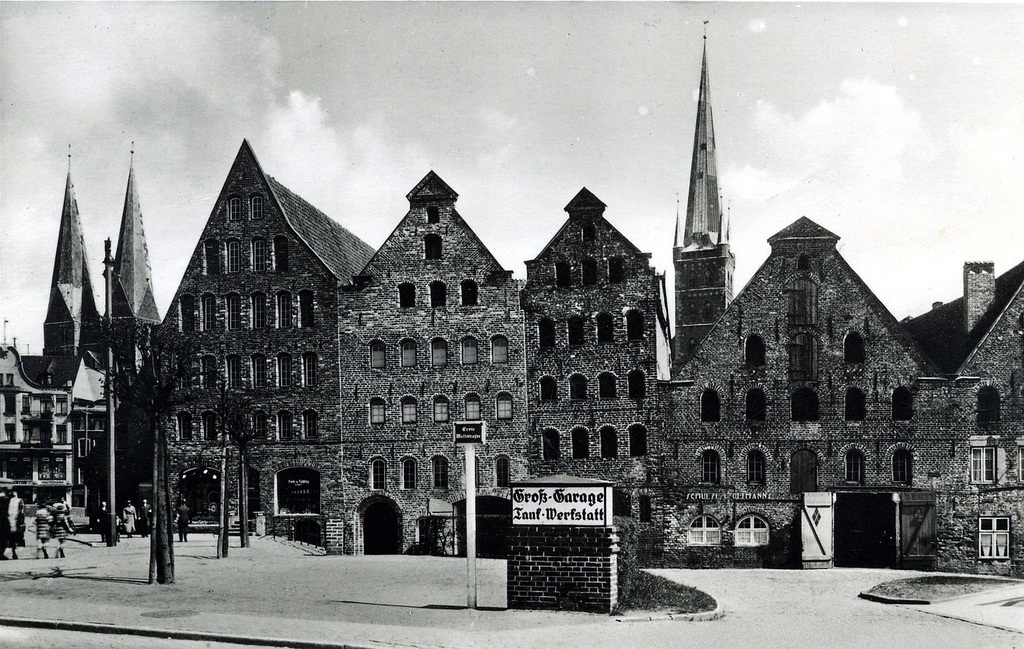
[[21, 638]]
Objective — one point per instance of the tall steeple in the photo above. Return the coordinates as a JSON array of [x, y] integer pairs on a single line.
[[703, 227], [133, 279], [71, 318], [703, 263]]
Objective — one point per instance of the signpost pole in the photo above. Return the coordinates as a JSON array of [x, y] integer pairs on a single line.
[[471, 524]]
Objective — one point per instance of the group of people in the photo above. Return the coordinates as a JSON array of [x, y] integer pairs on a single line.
[[131, 520], [53, 522]]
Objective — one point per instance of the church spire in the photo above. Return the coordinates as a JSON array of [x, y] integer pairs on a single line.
[[71, 317], [703, 227], [133, 279]]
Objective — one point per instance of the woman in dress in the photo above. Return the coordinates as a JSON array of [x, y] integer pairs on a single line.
[[62, 525], [129, 519]]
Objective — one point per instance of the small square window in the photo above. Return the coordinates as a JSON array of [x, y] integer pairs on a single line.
[[994, 537]]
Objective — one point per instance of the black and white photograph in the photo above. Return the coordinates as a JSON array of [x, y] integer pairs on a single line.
[[444, 325]]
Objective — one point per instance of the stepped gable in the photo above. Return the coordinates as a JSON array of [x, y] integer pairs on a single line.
[[342, 252], [940, 332]]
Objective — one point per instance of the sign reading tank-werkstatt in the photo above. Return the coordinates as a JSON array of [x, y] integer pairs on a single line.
[[562, 505]]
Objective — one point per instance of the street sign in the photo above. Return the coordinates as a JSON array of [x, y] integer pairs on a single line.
[[470, 432]]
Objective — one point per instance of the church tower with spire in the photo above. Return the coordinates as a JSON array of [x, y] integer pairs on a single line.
[[133, 278], [703, 263], [72, 320]]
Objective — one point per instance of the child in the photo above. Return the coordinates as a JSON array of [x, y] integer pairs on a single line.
[[44, 520], [62, 526]]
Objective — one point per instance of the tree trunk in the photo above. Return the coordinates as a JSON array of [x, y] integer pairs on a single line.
[[153, 533], [162, 530], [222, 526], [243, 496]]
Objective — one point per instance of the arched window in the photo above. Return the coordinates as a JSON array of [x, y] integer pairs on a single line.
[[803, 471], [710, 467], [406, 296], [233, 302], [637, 440], [284, 370], [502, 472], [902, 404], [901, 466], [856, 405], [377, 410], [756, 465], [469, 293], [408, 473], [234, 209], [754, 351], [256, 205], [187, 313], [281, 254], [440, 471], [184, 426], [210, 431], [208, 373], [503, 406], [438, 352], [853, 348], [589, 271], [284, 425], [805, 405], [854, 462], [605, 328], [803, 358], [259, 310], [310, 425], [549, 439], [306, 319], [234, 247], [440, 409], [472, 409], [469, 351], [606, 385], [438, 294], [580, 444], [634, 325], [588, 232], [432, 246], [408, 409], [259, 370], [751, 531], [211, 252], [499, 350], [408, 353], [803, 302], [309, 373], [637, 384], [575, 331], [378, 474], [548, 388], [563, 274], [209, 312], [233, 371], [378, 354], [609, 442], [710, 406], [284, 310], [546, 333], [616, 274], [260, 258], [259, 424], [704, 530], [756, 406], [988, 405], [577, 386]]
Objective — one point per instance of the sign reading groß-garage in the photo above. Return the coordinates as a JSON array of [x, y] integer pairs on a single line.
[[559, 502]]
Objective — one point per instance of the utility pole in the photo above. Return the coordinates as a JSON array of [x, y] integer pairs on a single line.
[[108, 271], [222, 523]]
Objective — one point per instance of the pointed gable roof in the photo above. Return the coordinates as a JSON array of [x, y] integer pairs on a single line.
[[133, 277], [585, 201], [804, 229], [431, 188]]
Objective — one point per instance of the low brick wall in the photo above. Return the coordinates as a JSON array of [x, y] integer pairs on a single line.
[[567, 568]]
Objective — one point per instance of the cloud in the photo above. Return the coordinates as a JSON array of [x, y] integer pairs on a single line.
[[757, 25]]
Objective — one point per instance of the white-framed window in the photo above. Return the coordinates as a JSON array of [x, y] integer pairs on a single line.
[[284, 310], [438, 352], [440, 466], [503, 406], [983, 464], [752, 530], [408, 353], [234, 209], [994, 537], [284, 425], [233, 304], [310, 424], [257, 207], [704, 530], [260, 258], [377, 411], [259, 371], [234, 371], [378, 354], [499, 349], [469, 351], [440, 409], [309, 369], [284, 370], [259, 311], [234, 256], [378, 474], [472, 407], [408, 410], [408, 473]]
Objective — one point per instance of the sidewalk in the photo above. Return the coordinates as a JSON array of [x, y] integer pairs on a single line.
[[1002, 608]]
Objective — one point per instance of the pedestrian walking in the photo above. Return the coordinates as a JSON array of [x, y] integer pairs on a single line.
[[182, 519], [16, 522], [5, 524], [44, 523], [145, 515], [62, 525], [129, 515]]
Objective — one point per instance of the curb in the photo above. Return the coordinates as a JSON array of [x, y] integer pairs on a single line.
[[882, 599], [201, 636], [705, 616]]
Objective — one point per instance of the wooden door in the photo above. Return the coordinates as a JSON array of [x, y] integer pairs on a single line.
[[816, 529], [803, 472], [918, 545]]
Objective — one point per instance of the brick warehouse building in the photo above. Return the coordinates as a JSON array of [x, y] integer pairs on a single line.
[[803, 416]]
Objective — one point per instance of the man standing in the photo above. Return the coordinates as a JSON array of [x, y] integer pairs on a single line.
[[5, 524], [16, 521], [182, 518], [145, 512]]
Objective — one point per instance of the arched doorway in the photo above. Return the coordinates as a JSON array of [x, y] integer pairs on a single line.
[[493, 524], [199, 488], [382, 527]]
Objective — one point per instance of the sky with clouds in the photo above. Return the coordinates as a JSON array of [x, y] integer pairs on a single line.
[[900, 127]]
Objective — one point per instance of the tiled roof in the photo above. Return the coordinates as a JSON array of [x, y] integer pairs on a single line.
[[343, 252], [940, 332]]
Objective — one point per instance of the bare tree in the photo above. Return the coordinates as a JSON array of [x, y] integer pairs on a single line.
[[236, 409], [153, 369]]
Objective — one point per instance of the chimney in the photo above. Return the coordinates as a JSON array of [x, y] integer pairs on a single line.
[[979, 291]]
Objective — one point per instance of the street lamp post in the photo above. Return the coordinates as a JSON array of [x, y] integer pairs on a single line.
[[108, 271]]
